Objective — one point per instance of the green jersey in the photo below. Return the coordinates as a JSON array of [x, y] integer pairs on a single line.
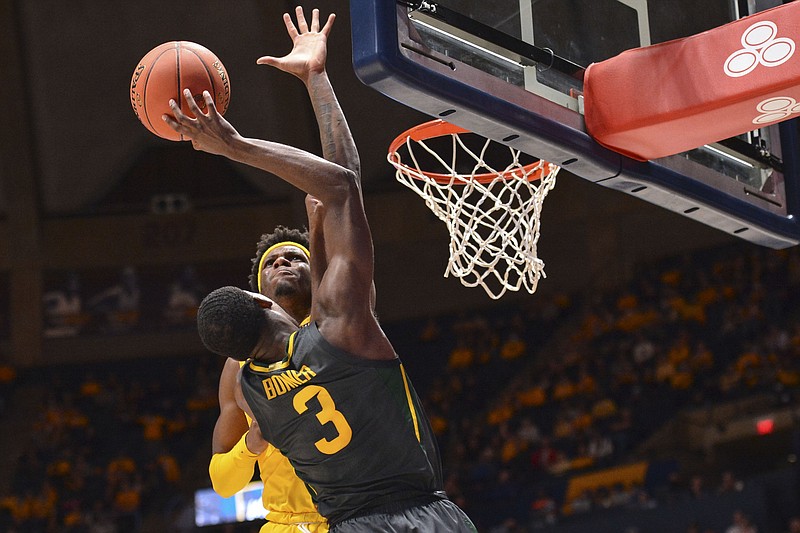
[[352, 428]]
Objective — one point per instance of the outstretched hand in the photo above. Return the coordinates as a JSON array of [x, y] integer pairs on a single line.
[[310, 46], [209, 132]]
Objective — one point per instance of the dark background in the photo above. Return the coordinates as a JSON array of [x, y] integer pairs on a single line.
[[80, 177]]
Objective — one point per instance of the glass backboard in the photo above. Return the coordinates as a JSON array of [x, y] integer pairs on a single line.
[[512, 70]]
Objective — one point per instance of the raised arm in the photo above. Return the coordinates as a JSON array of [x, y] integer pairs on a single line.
[[342, 304], [307, 62], [211, 133]]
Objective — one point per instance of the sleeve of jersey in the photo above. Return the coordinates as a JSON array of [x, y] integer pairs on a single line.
[[231, 471]]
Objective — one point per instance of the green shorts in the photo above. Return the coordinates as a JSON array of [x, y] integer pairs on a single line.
[[442, 516]]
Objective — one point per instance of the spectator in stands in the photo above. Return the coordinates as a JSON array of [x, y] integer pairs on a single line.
[[431, 331], [583, 503], [741, 523], [528, 432], [623, 386], [462, 356], [544, 510], [600, 448], [100, 519], [643, 350], [533, 394], [697, 487], [545, 456], [127, 502], [642, 499], [729, 484]]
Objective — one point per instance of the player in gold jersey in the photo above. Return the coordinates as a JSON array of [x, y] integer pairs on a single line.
[[282, 262], [281, 271]]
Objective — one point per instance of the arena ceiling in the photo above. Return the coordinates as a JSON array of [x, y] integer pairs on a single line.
[[68, 67], [71, 146]]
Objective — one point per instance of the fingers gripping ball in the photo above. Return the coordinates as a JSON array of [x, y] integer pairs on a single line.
[[165, 71]]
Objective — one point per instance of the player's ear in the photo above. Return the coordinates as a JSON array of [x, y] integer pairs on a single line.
[[262, 301]]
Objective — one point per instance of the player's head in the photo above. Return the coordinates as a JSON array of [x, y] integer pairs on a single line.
[[230, 322], [281, 268], [234, 323]]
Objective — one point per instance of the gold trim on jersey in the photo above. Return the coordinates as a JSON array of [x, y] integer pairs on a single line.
[[410, 402], [277, 365], [283, 363]]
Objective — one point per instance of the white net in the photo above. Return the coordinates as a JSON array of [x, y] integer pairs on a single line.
[[492, 214]]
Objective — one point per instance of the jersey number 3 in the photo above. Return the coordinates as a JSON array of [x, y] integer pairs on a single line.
[[327, 414]]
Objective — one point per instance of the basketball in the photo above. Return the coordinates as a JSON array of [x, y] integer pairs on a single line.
[[165, 71]]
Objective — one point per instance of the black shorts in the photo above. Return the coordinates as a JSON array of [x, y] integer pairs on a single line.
[[442, 516]]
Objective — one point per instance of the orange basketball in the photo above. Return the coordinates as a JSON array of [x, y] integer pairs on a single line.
[[165, 71]]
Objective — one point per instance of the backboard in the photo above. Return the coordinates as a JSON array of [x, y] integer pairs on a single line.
[[512, 71]]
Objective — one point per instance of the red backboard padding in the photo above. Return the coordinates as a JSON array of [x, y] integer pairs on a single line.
[[664, 99]]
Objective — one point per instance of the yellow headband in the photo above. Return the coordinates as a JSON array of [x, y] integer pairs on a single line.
[[278, 245]]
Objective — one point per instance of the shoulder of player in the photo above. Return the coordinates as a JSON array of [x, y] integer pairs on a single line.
[[363, 339]]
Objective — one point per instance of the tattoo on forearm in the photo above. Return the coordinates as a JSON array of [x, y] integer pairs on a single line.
[[335, 138], [326, 131]]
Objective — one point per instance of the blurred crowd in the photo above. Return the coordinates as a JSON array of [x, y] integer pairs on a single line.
[[527, 400], [689, 332]]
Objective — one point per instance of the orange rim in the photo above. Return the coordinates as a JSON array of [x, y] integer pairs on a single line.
[[440, 128]]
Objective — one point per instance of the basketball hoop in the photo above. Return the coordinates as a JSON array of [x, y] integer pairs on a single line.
[[492, 215]]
